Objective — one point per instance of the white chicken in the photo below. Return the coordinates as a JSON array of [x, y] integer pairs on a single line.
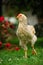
[[26, 34]]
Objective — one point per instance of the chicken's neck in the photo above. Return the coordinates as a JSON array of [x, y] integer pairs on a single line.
[[22, 24]]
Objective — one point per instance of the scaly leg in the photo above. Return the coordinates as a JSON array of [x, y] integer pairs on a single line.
[[24, 47], [34, 51], [32, 44], [25, 53]]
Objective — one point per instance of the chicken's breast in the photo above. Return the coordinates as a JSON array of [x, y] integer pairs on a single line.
[[24, 32]]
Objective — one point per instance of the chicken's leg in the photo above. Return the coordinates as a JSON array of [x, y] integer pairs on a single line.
[[24, 47], [25, 51], [32, 44], [33, 50]]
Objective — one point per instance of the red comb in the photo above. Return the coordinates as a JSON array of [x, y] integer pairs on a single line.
[[19, 15]]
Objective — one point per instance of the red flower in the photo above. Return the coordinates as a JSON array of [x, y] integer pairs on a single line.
[[16, 48], [1, 18], [6, 23], [5, 31], [12, 26], [3, 26], [0, 44], [7, 45]]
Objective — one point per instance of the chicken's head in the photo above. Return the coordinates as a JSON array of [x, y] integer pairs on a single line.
[[22, 18]]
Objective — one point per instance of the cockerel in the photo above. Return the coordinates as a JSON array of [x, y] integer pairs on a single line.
[[26, 34]]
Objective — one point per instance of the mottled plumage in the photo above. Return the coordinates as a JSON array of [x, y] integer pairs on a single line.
[[25, 33]]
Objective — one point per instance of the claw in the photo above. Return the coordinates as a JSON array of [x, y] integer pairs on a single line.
[[34, 52]]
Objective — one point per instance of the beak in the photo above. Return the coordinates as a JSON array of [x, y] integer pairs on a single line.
[[17, 17]]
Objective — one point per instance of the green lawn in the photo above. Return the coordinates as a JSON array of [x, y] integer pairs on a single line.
[[8, 57]]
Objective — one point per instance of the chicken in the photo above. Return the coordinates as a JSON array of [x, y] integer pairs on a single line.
[[26, 34]]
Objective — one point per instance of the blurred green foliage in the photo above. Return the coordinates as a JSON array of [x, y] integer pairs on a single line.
[[25, 5]]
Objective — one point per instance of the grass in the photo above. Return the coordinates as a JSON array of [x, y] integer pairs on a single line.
[[8, 57], [16, 57]]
